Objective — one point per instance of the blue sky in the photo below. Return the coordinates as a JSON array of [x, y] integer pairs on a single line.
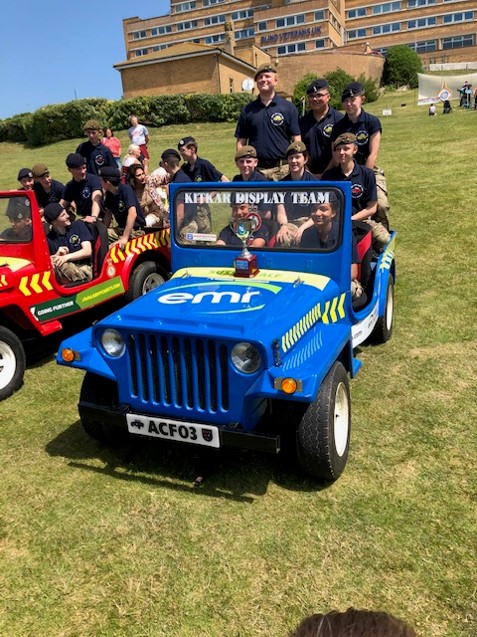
[[55, 50]]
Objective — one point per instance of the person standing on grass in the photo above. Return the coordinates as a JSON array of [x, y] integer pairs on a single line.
[[84, 190], [47, 190], [139, 135], [196, 168], [316, 126], [112, 142], [269, 124], [96, 154], [367, 129]]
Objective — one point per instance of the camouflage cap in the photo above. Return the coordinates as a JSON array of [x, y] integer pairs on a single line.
[[39, 170], [295, 148], [246, 151], [92, 124], [344, 139]]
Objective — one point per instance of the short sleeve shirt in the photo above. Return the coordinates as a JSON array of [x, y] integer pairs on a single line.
[[120, 203], [81, 193], [137, 134], [228, 236], [363, 184], [364, 127], [96, 156], [203, 171], [54, 196], [268, 128], [316, 135], [297, 210], [76, 234]]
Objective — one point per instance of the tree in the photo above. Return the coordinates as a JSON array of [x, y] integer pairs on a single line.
[[401, 67]]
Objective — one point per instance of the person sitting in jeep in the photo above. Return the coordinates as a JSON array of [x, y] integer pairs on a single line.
[[70, 246], [19, 214], [230, 235]]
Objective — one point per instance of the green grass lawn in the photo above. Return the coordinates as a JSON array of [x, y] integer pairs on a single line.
[[98, 541]]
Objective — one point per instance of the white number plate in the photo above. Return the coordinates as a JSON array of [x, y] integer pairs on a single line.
[[177, 430]]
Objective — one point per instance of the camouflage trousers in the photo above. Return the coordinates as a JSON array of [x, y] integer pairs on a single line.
[[71, 272], [114, 234], [381, 215], [379, 233], [275, 173]]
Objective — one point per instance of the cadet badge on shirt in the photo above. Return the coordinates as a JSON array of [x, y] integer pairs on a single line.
[[362, 137], [74, 240], [356, 190], [121, 206], [86, 192], [277, 119], [99, 160], [327, 130]]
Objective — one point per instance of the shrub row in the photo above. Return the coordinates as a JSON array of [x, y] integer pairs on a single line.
[[57, 122]]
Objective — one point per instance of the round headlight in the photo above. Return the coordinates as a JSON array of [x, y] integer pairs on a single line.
[[113, 343], [246, 358]]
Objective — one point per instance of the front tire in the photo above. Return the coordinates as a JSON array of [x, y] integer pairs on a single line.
[[12, 363], [101, 392], [323, 433], [145, 277], [384, 325]]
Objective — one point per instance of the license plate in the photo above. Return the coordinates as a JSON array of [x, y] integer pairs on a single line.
[[177, 430]]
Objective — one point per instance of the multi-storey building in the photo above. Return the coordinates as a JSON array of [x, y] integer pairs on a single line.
[[253, 31]]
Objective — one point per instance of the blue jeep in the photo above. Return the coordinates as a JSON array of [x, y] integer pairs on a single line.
[[254, 337]]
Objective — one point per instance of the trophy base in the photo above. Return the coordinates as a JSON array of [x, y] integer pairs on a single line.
[[246, 265]]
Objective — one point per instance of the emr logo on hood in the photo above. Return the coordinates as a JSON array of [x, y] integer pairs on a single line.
[[215, 298]]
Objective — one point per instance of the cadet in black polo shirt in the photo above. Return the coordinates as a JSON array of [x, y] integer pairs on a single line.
[[228, 235], [122, 203], [97, 155], [47, 190], [269, 123], [317, 125], [84, 189], [196, 168]]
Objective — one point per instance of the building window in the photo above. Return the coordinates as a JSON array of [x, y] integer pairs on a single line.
[[356, 33], [458, 17], [262, 26], [386, 28], [231, 85], [425, 46], [387, 7], [161, 30], [208, 3], [411, 4], [356, 13], [421, 23], [319, 44], [291, 21], [244, 33], [458, 42], [290, 48], [138, 35], [214, 19], [319, 15], [186, 26], [140, 52], [242, 15], [185, 6], [214, 39]]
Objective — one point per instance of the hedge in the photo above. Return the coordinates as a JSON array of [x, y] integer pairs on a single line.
[[65, 121]]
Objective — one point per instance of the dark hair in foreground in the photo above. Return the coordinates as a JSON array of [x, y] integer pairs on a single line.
[[353, 623]]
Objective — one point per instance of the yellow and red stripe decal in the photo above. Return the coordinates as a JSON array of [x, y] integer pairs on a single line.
[[35, 284], [149, 241]]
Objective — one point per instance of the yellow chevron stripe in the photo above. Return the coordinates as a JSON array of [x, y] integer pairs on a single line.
[[333, 315], [35, 283], [45, 281], [23, 287], [341, 312]]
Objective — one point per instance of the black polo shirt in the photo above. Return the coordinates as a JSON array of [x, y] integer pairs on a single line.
[[316, 135], [75, 234], [55, 195], [228, 236], [363, 184], [81, 193], [364, 127], [120, 202], [203, 171], [268, 128], [96, 156], [297, 210]]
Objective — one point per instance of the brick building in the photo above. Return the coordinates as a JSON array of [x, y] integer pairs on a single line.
[[214, 45]]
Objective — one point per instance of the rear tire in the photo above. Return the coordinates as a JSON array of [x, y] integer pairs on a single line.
[[12, 363], [323, 433], [101, 392], [384, 325], [144, 278]]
